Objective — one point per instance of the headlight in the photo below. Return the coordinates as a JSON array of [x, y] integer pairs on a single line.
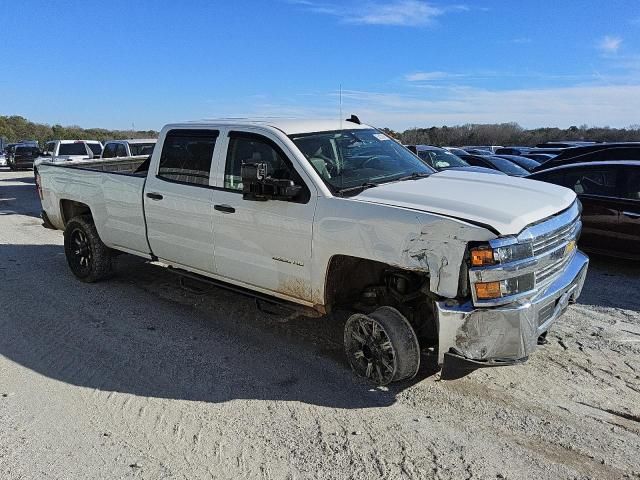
[[505, 288], [484, 255]]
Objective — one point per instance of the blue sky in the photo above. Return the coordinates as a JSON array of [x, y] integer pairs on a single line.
[[401, 63]]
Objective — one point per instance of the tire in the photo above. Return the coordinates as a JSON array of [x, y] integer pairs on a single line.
[[89, 259], [382, 346]]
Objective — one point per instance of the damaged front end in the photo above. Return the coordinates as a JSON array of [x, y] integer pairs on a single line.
[[515, 297]]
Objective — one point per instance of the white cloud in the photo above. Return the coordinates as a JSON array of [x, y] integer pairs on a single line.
[[400, 12], [406, 13], [427, 76], [610, 44]]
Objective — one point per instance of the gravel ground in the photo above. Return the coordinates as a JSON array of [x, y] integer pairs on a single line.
[[137, 377]]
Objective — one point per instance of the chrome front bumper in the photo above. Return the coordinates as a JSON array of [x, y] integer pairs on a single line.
[[507, 334]]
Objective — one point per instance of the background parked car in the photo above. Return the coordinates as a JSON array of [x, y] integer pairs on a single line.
[[539, 157], [486, 148], [58, 151], [496, 163], [442, 159], [527, 163], [597, 152], [128, 148], [610, 196], [23, 157]]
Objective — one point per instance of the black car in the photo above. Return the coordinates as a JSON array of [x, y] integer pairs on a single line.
[[527, 163], [610, 196], [598, 152], [23, 157], [496, 163]]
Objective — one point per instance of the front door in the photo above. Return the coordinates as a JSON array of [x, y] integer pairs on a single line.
[[266, 244], [178, 200]]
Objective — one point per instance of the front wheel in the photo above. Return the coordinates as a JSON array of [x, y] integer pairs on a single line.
[[89, 259], [382, 346]]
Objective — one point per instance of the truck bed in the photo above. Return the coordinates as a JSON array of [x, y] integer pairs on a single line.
[[111, 189], [130, 165]]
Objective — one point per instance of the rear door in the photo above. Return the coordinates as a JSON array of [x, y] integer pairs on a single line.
[[597, 189], [178, 200], [266, 244], [630, 212]]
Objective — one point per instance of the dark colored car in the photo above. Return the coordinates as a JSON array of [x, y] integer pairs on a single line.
[[23, 157], [527, 163], [512, 150], [442, 159], [564, 144], [610, 196], [598, 152], [496, 163], [539, 157]]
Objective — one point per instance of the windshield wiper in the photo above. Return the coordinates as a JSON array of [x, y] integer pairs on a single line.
[[413, 176], [358, 188]]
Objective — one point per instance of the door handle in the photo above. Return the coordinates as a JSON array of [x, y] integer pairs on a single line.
[[154, 196], [225, 208], [631, 214]]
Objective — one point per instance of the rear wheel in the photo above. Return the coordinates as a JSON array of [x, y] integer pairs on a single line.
[[382, 346], [89, 259]]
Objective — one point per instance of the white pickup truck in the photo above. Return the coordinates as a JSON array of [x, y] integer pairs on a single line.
[[470, 268]]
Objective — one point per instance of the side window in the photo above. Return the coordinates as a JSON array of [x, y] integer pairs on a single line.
[[109, 150], [632, 176], [186, 156], [121, 150], [601, 182], [252, 148], [49, 148]]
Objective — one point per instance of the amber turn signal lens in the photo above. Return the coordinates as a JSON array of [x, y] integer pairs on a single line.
[[488, 290], [481, 257]]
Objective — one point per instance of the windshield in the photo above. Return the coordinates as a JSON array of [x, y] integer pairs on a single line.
[[141, 148], [351, 158], [77, 148], [441, 159], [507, 167]]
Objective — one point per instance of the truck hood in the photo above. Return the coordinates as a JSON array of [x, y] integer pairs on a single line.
[[507, 204]]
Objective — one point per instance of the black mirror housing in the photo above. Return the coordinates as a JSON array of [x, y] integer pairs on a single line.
[[257, 184]]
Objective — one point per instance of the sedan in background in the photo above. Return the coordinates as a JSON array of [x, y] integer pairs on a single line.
[[496, 163], [441, 159], [527, 163], [610, 196]]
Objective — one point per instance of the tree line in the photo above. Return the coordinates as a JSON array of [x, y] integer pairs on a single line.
[[15, 128], [511, 134]]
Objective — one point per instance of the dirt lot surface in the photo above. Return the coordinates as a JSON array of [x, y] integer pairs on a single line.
[[137, 377]]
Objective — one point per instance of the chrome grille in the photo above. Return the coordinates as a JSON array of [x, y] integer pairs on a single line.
[[550, 241], [552, 246]]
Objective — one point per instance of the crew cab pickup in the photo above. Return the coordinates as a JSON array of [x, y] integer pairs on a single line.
[[57, 151], [468, 268]]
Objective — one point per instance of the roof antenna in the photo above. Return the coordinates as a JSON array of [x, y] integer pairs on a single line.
[[340, 106]]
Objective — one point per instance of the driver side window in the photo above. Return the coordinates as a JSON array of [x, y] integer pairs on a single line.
[[250, 148]]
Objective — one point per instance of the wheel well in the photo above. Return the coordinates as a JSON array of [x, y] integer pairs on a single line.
[[363, 285], [71, 209]]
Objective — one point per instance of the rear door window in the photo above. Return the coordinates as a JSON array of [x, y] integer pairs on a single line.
[[187, 155], [591, 181], [109, 150], [121, 150]]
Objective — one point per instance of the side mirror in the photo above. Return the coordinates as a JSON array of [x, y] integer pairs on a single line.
[[257, 184]]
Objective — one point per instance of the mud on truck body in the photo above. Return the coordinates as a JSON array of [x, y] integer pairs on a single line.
[[473, 268]]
